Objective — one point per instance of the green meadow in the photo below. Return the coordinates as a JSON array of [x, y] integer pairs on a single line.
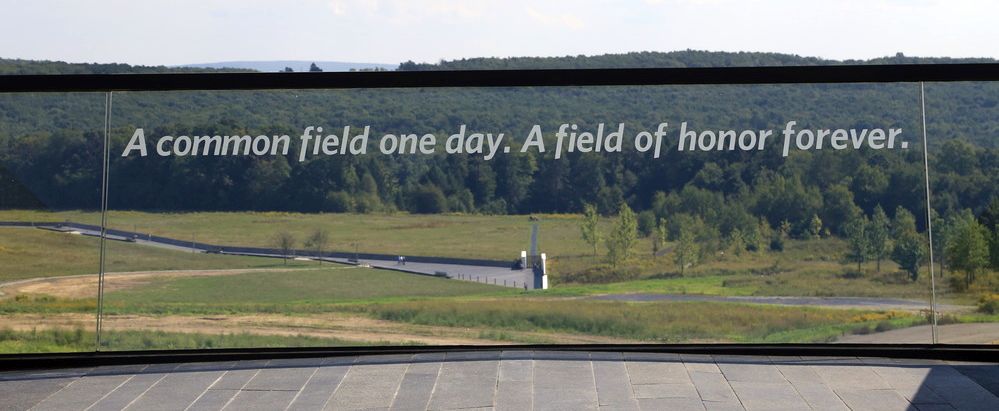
[[407, 307]]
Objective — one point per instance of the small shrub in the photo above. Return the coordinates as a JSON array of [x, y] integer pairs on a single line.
[[862, 330], [957, 283], [852, 274], [884, 326], [945, 319], [989, 304]]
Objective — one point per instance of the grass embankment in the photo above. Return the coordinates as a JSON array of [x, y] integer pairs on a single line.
[[32, 253], [331, 285], [804, 268], [62, 340], [411, 299], [450, 235], [670, 322]]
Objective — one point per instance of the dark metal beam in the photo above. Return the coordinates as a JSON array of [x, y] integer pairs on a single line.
[[887, 73]]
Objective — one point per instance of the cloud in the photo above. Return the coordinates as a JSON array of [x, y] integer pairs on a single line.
[[555, 19]]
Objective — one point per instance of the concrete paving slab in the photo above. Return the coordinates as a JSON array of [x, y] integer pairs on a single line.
[[368, 386], [874, 400], [691, 404], [82, 392], [749, 372], [613, 384], [516, 370], [280, 379], [235, 379], [680, 390], [261, 400], [23, 394], [176, 391], [514, 395], [514, 380], [564, 385], [700, 364], [212, 400], [465, 384], [851, 377], [128, 391], [713, 387], [768, 396], [819, 396], [320, 388], [417, 386], [654, 372], [722, 406]]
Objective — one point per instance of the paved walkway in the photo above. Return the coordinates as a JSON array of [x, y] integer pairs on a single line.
[[515, 380]]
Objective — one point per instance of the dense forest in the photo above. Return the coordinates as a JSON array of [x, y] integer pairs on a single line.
[[51, 148]]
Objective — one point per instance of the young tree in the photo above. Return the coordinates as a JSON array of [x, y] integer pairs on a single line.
[[815, 227], [285, 242], [624, 236], [856, 234], [686, 250], [590, 227], [994, 248], [909, 250], [737, 241], [942, 230], [968, 249], [990, 220], [317, 242], [763, 234], [659, 237], [879, 233]]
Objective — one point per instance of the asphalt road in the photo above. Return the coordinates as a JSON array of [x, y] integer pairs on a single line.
[[445, 267]]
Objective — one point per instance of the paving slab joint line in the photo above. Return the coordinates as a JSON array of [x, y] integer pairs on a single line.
[[302, 388], [195, 401], [399, 387], [109, 392], [231, 399], [340, 383]]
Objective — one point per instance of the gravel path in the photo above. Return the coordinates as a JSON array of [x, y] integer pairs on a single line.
[[834, 302]]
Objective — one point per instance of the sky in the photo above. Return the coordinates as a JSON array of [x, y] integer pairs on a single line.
[[391, 31]]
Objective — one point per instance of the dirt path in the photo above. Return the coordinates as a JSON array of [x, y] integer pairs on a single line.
[[973, 333], [863, 303], [85, 285], [333, 325]]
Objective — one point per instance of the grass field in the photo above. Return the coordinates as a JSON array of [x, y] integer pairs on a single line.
[[804, 268], [332, 285], [650, 322], [367, 305], [64, 340]]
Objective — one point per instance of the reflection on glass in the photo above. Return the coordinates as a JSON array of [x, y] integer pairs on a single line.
[[964, 177], [50, 173], [794, 213], [296, 241]]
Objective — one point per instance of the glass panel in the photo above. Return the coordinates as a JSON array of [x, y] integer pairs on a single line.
[[258, 246], [51, 148], [964, 176]]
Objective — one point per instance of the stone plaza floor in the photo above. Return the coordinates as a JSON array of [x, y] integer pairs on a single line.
[[515, 380]]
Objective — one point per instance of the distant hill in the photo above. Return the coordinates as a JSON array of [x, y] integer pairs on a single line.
[[297, 65], [682, 58], [20, 66]]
